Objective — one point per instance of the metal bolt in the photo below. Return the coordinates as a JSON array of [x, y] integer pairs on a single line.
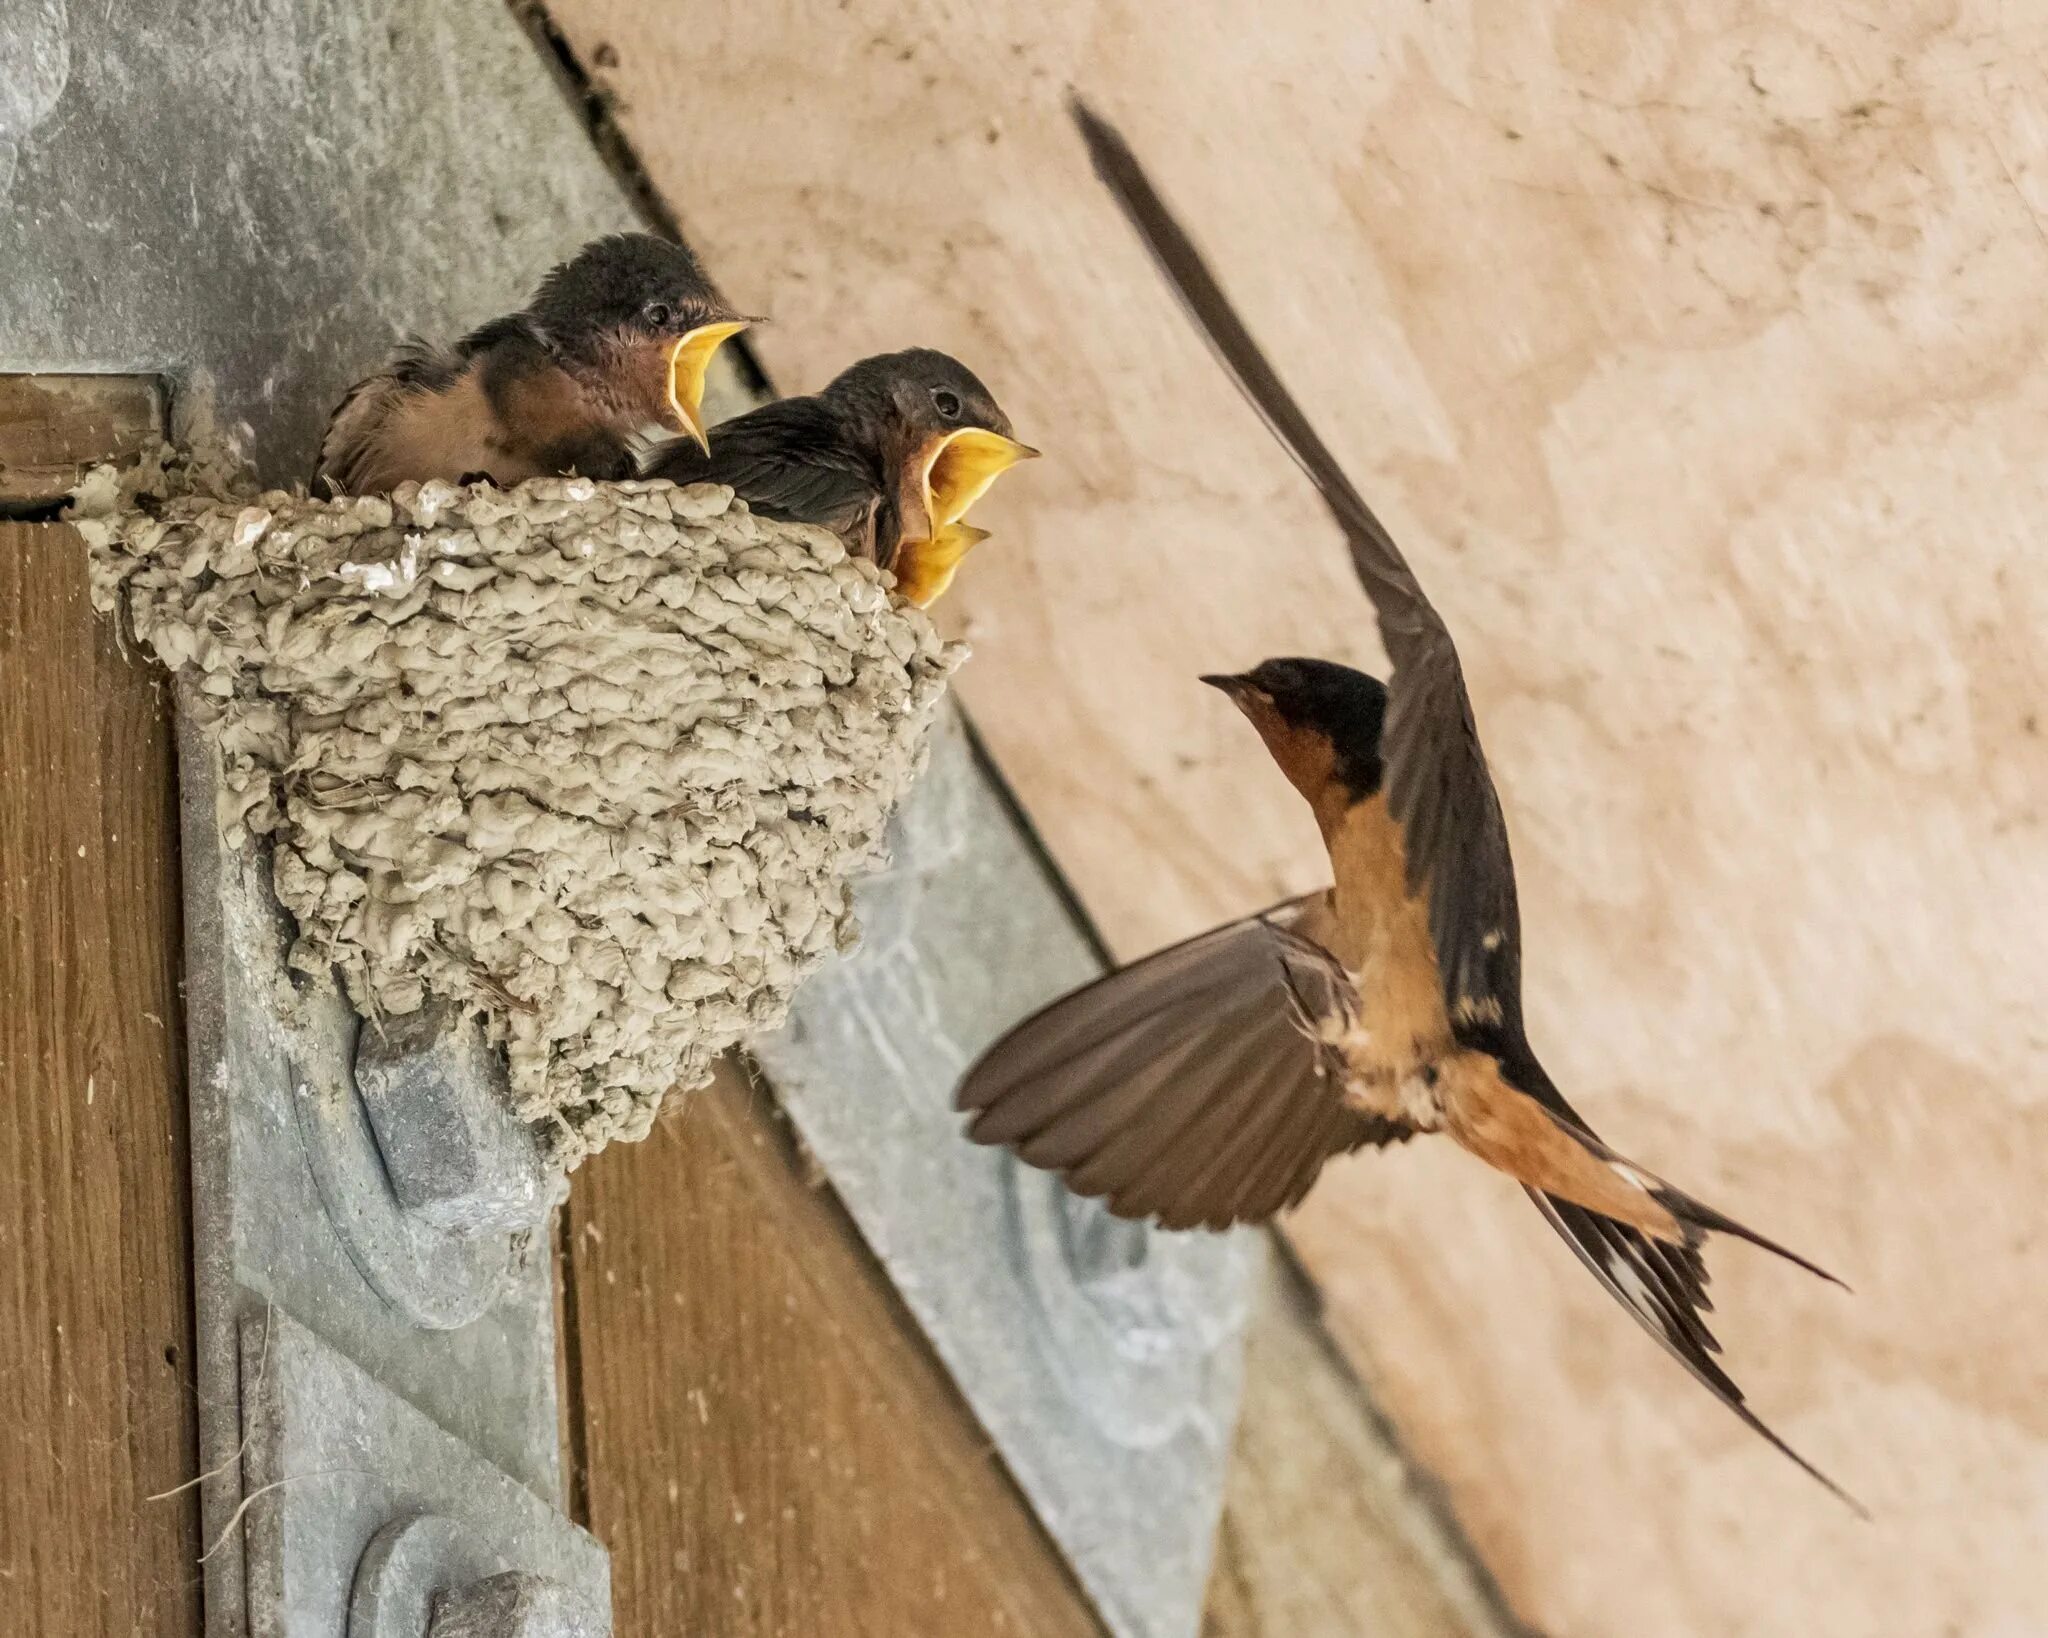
[[455, 1154], [516, 1604], [428, 1577]]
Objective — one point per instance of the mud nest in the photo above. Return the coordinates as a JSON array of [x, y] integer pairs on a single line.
[[599, 762]]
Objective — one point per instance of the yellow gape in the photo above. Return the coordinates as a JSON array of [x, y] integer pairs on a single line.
[[688, 361], [960, 470], [957, 473], [927, 566]]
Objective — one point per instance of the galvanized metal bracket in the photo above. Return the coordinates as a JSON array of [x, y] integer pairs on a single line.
[[365, 1207], [1103, 1356], [433, 1185], [367, 1520], [296, 227]]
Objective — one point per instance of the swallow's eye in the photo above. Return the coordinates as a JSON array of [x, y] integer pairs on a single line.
[[657, 314], [946, 403]]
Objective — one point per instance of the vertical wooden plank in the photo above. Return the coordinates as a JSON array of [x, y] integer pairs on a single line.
[[771, 1448], [1327, 1528], [95, 1274]]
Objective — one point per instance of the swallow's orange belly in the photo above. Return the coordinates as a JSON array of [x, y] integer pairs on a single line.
[[1382, 937]]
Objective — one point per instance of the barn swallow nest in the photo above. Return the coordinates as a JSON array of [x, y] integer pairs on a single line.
[[597, 761]]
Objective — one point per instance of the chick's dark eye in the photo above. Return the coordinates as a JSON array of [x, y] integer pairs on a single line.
[[946, 403], [657, 314]]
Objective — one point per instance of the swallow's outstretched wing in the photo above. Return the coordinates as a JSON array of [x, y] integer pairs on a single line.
[[1437, 784], [1194, 1086], [1441, 793]]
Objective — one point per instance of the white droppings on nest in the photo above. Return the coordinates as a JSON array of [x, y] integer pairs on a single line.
[[396, 577], [600, 761]]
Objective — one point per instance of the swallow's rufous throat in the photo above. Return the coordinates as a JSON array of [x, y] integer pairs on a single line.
[[615, 341], [889, 456], [1208, 1084]]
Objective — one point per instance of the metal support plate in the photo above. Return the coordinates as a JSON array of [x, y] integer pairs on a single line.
[[256, 201], [1103, 1356], [293, 1215], [338, 1466]]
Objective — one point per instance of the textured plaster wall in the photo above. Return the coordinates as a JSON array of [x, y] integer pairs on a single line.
[[1695, 350]]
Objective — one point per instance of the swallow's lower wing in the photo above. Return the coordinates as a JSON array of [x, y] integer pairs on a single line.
[[786, 461], [1192, 1086], [1437, 784]]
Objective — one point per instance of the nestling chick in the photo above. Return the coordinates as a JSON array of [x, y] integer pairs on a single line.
[[887, 456], [616, 340]]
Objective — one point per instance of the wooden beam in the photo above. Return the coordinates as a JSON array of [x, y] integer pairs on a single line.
[[50, 425], [1327, 1527], [770, 1446], [95, 1278]]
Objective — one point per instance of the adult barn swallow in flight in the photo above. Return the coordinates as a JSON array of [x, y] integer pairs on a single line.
[[615, 340], [1208, 1084], [889, 456]]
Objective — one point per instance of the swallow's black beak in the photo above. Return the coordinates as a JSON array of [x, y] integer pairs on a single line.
[[1234, 686]]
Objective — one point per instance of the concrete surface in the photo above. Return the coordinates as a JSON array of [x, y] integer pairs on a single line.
[[259, 198]]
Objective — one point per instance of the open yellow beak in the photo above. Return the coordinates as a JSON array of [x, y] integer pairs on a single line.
[[961, 469], [926, 567], [688, 361]]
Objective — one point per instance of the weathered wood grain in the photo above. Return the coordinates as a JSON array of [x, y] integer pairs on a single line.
[[1328, 1531], [95, 1230], [47, 420], [770, 1447]]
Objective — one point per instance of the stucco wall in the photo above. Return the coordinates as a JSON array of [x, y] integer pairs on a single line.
[[1695, 350]]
